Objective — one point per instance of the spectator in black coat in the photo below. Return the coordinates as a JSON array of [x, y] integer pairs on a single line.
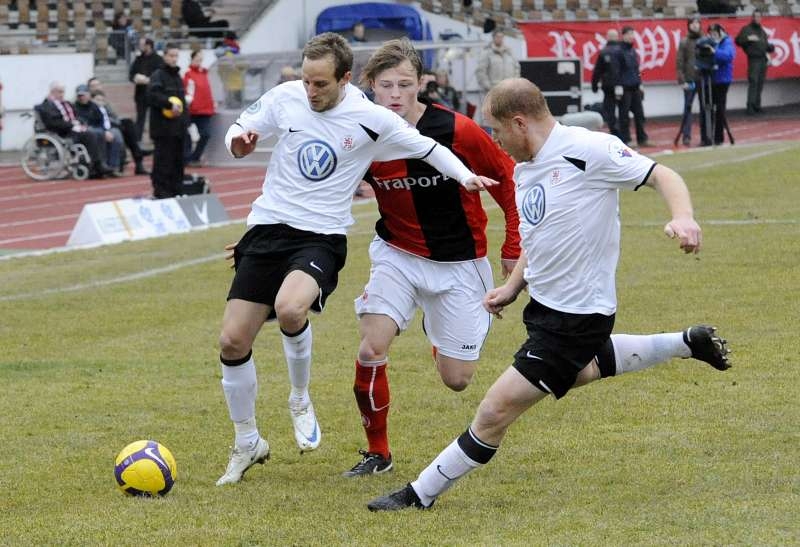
[[59, 117], [197, 20], [606, 76], [168, 122], [126, 126], [141, 69], [631, 81], [98, 122]]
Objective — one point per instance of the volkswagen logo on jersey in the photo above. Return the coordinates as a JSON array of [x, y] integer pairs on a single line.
[[533, 205], [316, 160]]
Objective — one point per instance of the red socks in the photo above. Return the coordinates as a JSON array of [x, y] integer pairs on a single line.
[[371, 388]]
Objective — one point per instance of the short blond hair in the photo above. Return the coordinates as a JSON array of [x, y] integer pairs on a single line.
[[390, 55], [330, 44], [517, 96]]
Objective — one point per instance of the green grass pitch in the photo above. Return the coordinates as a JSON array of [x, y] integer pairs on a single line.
[[105, 346]]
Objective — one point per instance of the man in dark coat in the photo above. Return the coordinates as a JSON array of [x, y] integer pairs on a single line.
[[141, 69], [605, 76], [753, 40], [631, 81], [168, 119]]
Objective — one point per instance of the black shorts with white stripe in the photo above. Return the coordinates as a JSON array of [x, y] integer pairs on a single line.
[[267, 253], [559, 346]]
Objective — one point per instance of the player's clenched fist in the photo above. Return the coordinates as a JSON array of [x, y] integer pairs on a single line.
[[244, 144]]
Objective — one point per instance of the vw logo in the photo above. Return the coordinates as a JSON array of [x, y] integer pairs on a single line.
[[316, 160], [533, 205]]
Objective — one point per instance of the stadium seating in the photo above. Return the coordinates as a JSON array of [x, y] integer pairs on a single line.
[[506, 12], [32, 25]]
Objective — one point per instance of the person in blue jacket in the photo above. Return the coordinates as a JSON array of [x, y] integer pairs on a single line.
[[721, 78]]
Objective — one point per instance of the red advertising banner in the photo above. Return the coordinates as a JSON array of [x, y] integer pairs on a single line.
[[657, 43]]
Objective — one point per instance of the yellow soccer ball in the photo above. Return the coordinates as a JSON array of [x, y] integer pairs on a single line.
[[145, 468], [168, 113]]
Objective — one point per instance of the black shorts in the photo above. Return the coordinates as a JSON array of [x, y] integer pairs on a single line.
[[268, 252], [559, 346]]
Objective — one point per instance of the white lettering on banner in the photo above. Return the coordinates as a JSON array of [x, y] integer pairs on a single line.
[[653, 47], [563, 44], [406, 183], [783, 51]]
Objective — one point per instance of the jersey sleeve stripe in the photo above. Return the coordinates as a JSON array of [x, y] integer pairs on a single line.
[[429, 152], [647, 176]]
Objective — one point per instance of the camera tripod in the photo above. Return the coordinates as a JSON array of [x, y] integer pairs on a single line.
[[709, 111]]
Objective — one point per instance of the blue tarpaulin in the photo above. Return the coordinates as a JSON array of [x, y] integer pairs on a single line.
[[385, 17]]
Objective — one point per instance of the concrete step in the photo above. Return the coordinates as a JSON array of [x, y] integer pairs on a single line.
[[112, 74]]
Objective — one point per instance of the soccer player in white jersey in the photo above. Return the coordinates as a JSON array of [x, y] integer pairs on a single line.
[[287, 263], [567, 196]]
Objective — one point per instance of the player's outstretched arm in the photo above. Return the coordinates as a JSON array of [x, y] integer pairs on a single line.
[[478, 183], [683, 226], [447, 163]]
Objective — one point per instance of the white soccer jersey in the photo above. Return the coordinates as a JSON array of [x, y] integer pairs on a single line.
[[321, 157], [568, 201]]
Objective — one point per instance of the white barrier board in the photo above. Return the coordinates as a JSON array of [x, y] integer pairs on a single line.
[[128, 219]]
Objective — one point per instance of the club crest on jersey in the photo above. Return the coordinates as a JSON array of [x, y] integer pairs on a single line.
[[619, 153], [533, 205], [348, 143], [555, 177], [316, 160]]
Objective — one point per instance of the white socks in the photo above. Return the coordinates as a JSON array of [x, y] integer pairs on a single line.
[[451, 464], [297, 350], [634, 352], [240, 385]]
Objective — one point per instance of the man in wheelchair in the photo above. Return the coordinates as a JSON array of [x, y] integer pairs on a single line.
[[59, 117]]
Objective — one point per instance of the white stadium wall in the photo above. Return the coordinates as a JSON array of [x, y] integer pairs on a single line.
[[26, 82]]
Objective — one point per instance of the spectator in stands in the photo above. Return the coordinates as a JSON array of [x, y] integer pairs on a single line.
[[606, 76], [449, 96], [123, 36], [496, 62], [717, 7], [358, 34], [232, 75], [690, 79], [198, 19], [201, 108], [229, 46], [288, 74], [631, 81], [167, 125], [99, 123], [126, 126], [753, 40], [721, 77], [58, 116], [141, 69]]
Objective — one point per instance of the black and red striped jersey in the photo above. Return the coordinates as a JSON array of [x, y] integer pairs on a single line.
[[430, 215]]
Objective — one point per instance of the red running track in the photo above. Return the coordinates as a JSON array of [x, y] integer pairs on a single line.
[[41, 215]]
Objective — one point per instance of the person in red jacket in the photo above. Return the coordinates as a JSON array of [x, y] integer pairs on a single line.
[[430, 251], [201, 108]]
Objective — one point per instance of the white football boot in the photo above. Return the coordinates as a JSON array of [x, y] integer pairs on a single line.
[[306, 429], [242, 460]]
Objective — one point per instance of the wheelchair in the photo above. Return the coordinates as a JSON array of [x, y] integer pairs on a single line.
[[46, 156]]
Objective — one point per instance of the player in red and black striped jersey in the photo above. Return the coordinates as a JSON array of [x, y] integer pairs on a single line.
[[430, 249]]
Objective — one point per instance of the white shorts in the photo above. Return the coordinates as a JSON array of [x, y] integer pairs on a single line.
[[449, 294]]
